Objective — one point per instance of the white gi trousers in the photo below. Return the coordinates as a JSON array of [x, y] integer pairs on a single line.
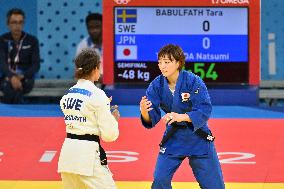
[[75, 181], [80, 166]]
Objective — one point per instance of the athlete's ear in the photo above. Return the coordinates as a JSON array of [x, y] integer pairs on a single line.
[[110, 98], [178, 64]]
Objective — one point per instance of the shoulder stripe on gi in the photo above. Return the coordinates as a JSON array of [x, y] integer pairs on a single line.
[[80, 91]]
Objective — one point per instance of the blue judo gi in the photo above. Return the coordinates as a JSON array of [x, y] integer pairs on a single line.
[[184, 142]]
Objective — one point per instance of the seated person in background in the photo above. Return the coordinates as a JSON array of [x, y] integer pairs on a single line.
[[19, 59], [93, 40]]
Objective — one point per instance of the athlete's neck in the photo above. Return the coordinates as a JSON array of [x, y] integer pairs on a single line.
[[172, 80]]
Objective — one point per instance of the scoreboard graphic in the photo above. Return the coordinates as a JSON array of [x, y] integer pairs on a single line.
[[218, 39]]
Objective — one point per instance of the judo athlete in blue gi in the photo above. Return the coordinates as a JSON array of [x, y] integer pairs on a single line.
[[184, 98]]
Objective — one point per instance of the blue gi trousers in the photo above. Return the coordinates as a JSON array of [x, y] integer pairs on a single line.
[[206, 169]]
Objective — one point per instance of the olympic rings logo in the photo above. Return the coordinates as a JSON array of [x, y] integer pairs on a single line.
[[122, 1]]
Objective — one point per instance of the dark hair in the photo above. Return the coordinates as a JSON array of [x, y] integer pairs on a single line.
[[86, 61], [93, 16], [14, 11], [173, 51]]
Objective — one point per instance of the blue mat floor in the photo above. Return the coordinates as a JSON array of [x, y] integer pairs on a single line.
[[133, 111]]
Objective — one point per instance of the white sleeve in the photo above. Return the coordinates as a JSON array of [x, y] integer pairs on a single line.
[[82, 45], [108, 126]]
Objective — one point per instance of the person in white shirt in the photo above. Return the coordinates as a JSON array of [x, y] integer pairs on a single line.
[[93, 40], [88, 118]]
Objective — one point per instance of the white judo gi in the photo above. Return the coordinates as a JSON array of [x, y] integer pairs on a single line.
[[86, 110]]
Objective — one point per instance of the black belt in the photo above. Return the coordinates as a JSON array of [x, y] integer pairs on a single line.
[[175, 126], [95, 138]]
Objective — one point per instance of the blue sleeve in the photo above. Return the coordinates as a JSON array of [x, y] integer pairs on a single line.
[[201, 104], [155, 114], [35, 59], [4, 68]]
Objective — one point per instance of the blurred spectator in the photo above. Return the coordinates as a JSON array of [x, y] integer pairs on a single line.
[[93, 40], [19, 59]]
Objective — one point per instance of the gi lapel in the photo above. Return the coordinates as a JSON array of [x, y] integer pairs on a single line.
[[176, 99], [174, 108], [168, 97]]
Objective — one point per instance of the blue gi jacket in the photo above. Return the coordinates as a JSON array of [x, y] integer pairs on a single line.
[[197, 106]]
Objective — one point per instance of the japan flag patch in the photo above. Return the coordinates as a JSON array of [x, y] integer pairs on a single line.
[[185, 97]]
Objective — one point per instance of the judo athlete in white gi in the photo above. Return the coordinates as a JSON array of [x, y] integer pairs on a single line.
[[184, 98], [82, 162]]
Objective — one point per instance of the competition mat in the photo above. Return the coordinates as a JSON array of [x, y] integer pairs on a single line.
[[250, 150]]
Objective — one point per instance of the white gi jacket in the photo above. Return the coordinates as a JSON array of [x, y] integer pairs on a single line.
[[86, 110]]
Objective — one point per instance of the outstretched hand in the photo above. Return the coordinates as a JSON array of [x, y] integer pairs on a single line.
[[145, 105], [115, 112]]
